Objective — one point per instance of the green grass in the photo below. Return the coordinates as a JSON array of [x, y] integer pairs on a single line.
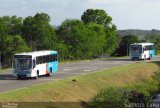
[[4, 69], [84, 87]]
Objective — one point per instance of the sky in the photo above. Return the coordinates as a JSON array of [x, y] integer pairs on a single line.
[[126, 14]]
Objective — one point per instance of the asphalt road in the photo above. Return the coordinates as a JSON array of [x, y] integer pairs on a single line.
[[8, 82]]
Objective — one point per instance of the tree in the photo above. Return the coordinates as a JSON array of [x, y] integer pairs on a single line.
[[3, 33], [122, 50], [12, 45], [63, 51], [8, 26], [111, 39], [96, 39], [72, 33], [38, 32], [98, 16], [13, 23], [82, 41]]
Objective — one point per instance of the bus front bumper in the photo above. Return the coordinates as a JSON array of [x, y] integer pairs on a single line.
[[136, 57], [21, 75]]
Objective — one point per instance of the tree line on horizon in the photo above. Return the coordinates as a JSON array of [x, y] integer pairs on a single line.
[[93, 35]]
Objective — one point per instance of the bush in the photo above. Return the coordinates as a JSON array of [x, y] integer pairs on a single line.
[[109, 98], [134, 95]]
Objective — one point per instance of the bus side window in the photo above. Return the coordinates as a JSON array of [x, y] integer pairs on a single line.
[[34, 63], [56, 57]]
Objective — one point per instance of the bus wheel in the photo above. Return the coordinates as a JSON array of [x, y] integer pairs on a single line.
[[50, 73], [19, 78], [37, 75]]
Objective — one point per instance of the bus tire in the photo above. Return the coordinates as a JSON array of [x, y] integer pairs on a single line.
[[19, 78], [50, 72], [37, 75]]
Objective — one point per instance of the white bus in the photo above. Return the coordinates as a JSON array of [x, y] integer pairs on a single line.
[[35, 64], [141, 51]]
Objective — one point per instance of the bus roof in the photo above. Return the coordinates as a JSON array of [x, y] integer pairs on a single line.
[[38, 53], [143, 44]]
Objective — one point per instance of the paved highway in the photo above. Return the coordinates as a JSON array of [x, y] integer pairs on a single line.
[[8, 82]]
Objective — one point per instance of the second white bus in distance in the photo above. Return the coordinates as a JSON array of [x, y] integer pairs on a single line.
[[141, 51]]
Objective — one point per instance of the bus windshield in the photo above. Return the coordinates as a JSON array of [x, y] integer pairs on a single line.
[[22, 63], [135, 49]]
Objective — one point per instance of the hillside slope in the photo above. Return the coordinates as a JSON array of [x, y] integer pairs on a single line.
[[137, 32]]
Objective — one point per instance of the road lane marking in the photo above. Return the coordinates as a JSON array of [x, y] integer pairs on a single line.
[[117, 62], [87, 70], [130, 62], [67, 69], [48, 79]]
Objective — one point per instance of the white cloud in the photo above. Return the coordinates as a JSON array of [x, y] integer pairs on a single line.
[[142, 14]]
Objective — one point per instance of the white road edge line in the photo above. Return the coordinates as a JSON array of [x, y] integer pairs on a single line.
[[67, 69], [87, 70]]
